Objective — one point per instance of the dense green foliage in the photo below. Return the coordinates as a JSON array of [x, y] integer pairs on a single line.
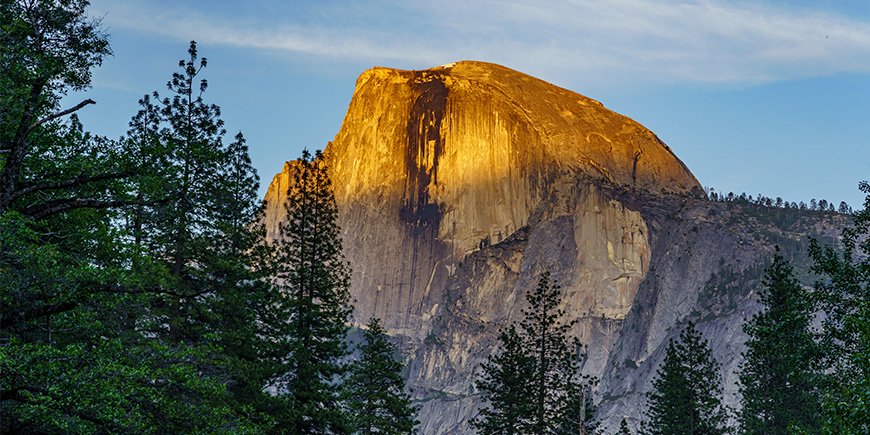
[[313, 279], [374, 390], [778, 390], [533, 383], [138, 289], [503, 384], [131, 297], [843, 294], [687, 390]]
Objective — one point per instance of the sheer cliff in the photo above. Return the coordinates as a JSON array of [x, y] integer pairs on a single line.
[[458, 185]]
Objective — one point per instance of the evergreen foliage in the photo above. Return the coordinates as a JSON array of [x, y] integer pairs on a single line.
[[88, 286], [843, 294], [533, 383], [623, 428], [504, 385], [313, 278], [687, 390], [374, 391], [779, 395], [201, 231]]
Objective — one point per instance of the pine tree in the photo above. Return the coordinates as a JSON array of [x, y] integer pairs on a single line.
[[503, 385], [843, 294], [314, 278], [191, 217], [237, 315], [200, 226], [374, 391], [555, 398], [687, 390], [558, 391], [779, 394], [623, 428]]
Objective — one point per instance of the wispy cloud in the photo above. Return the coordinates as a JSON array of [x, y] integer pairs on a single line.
[[605, 41]]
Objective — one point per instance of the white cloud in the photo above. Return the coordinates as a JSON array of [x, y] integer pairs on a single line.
[[604, 41]]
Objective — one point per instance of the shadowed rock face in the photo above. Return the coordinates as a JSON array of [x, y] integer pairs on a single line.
[[458, 185]]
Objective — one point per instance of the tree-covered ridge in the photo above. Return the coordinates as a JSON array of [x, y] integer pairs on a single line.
[[821, 205], [796, 378]]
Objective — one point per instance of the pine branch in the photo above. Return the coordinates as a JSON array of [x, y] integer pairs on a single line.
[[44, 210], [73, 182], [61, 113], [36, 313]]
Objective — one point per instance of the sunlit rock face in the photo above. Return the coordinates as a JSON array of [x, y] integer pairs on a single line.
[[458, 185], [429, 165]]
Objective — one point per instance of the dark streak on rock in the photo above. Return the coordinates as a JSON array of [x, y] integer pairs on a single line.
[[634, 167], [424, 127]]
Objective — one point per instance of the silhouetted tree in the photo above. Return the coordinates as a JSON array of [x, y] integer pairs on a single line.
[[314, 278], [843, 294], [374, 391], [687, 390], [844, 208], [541, 356], [778, 388]]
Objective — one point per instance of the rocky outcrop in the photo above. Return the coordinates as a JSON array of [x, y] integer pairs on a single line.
[[458, 185]]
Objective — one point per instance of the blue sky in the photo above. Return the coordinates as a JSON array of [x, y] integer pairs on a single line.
[[768, 97]]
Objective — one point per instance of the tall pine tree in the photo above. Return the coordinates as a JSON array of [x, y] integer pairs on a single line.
[[192, 219], [374, 391], [778, 388], [843, 294], [556, 398], [201, 226], [313, 276], [687, 391], [503, 384]]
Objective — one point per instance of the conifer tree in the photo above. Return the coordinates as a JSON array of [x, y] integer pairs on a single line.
[[558, 392], [313, 276], [778, 387], [201, 224], [191, 217], [843, 293], [556, 397], [504, 386], [374, 391], [623, 428], [237, 315], [687, 390]]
